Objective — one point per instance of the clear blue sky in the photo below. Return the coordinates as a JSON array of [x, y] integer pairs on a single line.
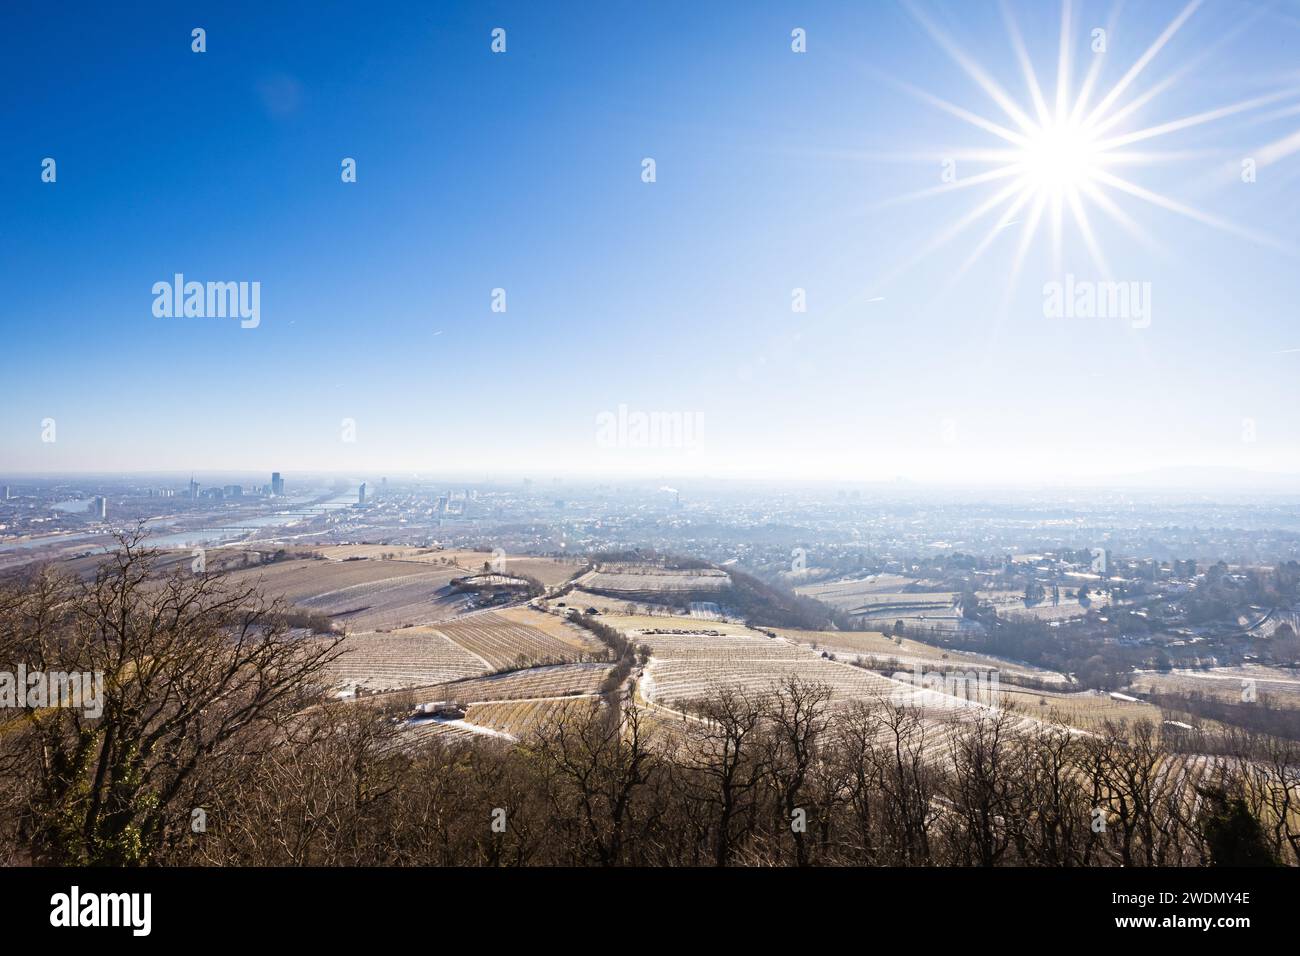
[[523, 171]]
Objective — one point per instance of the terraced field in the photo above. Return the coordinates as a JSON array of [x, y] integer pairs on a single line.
[[721, 647], [416, 732], [688, 666], [875, 590], [1083, 710], [555, 625], [1280, 684], [400, 552], [362, 595], [852, 591], [625, 605], [413, 657], [560, 680], [908, 599], [520, 638], [519, 717], [878, 651], [677, 682], [878, 602], [550, 571], [639, 626], [1064, 611], [644, 579]]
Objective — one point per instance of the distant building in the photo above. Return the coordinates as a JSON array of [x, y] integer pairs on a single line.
[[361, 494], [99, 507], [277, 484], [234, 491], [6, 492], [194, 489]]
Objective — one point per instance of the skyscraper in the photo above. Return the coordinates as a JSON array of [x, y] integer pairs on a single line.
[[277, 484], [361, 494]]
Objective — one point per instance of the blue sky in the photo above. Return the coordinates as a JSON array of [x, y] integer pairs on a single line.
[[775, 170]]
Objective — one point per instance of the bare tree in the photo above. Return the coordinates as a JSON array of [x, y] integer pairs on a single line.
[[724, 766], [799, 719], [599, 765], [195, 673]]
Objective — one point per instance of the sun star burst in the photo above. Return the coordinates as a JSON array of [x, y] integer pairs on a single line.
[[1057, 158]]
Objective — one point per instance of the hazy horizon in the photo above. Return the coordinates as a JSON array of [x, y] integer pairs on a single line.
[[1196, 482]]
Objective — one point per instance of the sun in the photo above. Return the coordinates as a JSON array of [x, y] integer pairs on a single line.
[[1059, 157], [1056, 155]]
